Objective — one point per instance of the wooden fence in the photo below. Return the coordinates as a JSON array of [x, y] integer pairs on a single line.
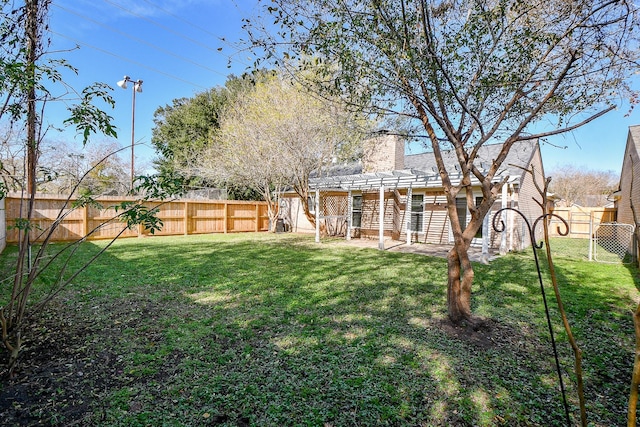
[[582, 221], [179, 217]]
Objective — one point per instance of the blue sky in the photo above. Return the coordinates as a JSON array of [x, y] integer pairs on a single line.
[[173, 47]]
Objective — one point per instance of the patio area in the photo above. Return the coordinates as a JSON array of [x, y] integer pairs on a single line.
[[475, 253]]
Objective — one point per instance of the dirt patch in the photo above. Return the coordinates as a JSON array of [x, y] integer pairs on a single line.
[[75, 359], [486, 333], [62, 373]]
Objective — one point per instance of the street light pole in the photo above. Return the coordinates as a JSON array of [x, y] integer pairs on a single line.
[[76, 159], [137, 87]]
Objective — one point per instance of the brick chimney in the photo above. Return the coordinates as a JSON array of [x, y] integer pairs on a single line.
[[383, 153]]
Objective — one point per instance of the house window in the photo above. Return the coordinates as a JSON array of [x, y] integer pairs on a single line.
[[311, 202], [356, 212], [479, 232], [417, 212], [461, 207]]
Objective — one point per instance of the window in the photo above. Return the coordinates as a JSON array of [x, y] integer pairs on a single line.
[[479, 232], [461, 207], [311, 201], [356, 212], [417, 212]]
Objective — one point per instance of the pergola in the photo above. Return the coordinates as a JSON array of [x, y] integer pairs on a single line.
[[382, 181]]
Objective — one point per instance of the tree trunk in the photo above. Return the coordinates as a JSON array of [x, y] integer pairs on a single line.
[[304, 200], [272, 198], [307, 213], [273, 213], [33, 42], [460, 279], [460, 271]]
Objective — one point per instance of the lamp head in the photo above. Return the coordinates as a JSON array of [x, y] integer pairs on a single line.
[[138, 86], [123, 83]]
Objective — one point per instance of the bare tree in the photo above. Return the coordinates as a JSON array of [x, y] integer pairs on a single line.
[[275, 136], [577, 185], [12, 159], [95, 168]]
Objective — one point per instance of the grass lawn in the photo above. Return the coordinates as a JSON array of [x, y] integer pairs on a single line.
[[274, 330]]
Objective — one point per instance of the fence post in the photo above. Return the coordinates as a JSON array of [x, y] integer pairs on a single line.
[[186, 218], [225, 217], [85, 220], [257, 217], [591, 240]]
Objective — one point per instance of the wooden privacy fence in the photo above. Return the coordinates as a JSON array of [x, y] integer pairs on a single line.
[[180, 217], [582, 221]]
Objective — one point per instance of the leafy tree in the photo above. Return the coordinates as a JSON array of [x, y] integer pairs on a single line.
[[577, 185], [186, 127], [469, 73], [275, 136]]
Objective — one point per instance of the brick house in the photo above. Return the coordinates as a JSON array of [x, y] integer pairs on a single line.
[[348, 198], [629, 190], [627, 198]]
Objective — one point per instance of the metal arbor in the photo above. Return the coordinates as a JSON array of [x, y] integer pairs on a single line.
[[499, 226]]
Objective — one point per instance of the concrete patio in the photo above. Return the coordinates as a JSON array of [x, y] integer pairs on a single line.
[[475, 253]]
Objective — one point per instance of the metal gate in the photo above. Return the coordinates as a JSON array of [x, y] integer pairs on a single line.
[[614, 243]]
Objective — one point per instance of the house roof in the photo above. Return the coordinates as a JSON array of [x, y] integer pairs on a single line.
[[634, 131], [519, 157], [421, 171], [633, 143], [634, 139]]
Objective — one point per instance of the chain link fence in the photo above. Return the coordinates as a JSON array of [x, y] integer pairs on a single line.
[[614, 243]]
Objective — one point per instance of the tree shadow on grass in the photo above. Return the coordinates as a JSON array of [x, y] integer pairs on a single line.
[[598, 299], [279, 331]]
